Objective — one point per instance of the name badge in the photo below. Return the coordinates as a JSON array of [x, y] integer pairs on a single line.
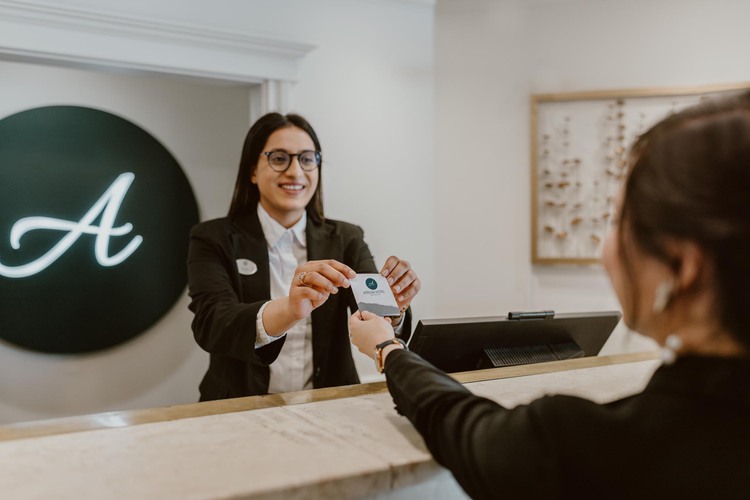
[[246, 267]]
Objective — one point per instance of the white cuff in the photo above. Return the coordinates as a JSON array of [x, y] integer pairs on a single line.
[[397, 329], [261, 335]]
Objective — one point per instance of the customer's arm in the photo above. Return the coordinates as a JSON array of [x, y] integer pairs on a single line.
[[493, 452]]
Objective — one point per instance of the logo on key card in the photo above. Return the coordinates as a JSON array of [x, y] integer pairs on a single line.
[[94, 221], [371, 284]]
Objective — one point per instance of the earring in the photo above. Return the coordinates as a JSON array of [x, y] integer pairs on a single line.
[[672, 344], [661, 296]]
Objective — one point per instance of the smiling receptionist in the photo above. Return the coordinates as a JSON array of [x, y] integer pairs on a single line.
[[269, 282]]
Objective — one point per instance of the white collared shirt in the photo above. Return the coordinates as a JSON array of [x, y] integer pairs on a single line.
[[287, 248]]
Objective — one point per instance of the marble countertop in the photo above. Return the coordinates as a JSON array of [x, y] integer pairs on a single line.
[[328, 443]]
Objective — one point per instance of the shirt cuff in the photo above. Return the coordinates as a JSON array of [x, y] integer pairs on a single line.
[[397, 329], [261, 335]]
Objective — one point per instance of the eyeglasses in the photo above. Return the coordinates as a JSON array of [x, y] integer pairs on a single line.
[[279, 161]]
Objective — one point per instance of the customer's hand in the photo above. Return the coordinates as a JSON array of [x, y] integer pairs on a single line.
[[367, 330], [314, 282], [403, 280]]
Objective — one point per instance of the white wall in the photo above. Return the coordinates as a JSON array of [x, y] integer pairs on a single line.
[[490, 56], [367, 88]]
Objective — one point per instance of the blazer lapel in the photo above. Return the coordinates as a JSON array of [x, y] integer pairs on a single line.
[[249, 243], [321, 245]]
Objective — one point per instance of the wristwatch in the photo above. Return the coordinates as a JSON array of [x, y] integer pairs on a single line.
[[378, 354]]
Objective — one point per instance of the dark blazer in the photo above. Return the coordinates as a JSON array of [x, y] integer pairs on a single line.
[[687, 435], [226, 304]]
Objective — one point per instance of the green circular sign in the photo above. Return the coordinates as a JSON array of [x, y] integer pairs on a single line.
[[94, 221]]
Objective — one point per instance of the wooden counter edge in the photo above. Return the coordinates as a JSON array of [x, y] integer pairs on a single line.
[[115, 419]]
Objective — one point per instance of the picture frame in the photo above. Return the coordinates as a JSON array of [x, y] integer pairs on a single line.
[[579, 147]]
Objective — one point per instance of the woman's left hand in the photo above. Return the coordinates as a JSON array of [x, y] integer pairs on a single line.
[[367, 330], [404, 282]]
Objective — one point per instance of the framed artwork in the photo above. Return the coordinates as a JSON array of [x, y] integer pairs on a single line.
[[579, 144]]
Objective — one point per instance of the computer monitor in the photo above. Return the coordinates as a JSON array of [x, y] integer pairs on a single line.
[[464, 344]]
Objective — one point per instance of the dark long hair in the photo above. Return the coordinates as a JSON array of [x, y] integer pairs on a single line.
[[690, 180], [246, 195]]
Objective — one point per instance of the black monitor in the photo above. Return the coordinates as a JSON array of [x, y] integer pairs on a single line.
[[464, 344]]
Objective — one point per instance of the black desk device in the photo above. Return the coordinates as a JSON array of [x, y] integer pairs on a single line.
[[465, 344]]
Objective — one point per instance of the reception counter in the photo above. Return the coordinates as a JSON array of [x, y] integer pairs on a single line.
[[345, 442]]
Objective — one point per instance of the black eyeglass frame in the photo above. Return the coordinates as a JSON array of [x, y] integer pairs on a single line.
[[318, 159]]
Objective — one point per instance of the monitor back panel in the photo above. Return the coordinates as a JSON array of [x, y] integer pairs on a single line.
[[455, 345]]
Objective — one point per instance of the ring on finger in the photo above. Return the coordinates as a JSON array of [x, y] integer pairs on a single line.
[[301, 278]]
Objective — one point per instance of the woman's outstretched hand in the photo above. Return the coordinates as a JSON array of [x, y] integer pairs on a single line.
[[313, 283], [367, 330]]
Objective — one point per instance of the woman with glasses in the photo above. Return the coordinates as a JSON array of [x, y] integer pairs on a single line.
[[678, 259], [269, 282]]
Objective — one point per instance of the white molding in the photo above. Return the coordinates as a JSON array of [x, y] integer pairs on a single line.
[[39, 31], [275, 96], [429, 3]]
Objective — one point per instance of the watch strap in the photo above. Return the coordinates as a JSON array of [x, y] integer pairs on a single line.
[[378, 355]]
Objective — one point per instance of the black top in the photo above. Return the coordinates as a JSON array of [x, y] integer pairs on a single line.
[[687, 435], [226, 304]]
